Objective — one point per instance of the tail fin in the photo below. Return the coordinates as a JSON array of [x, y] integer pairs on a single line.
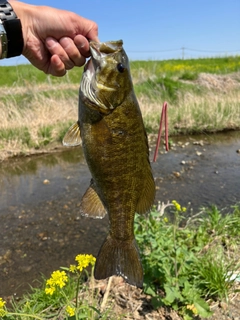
[[119, 258]]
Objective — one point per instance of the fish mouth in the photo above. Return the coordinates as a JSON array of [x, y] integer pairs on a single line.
[[89, 86], [99, 49]]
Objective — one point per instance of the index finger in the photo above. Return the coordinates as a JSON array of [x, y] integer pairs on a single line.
[[82, 44]]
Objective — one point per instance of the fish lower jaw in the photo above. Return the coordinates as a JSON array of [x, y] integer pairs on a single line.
[[101, 86]]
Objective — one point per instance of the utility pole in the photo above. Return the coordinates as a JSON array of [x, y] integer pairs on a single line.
[[183, 48]]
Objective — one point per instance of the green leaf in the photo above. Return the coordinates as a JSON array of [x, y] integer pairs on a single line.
[[171, 294], [202, 308], [149, 290], [156, 302], [95, 309], [187, 317]]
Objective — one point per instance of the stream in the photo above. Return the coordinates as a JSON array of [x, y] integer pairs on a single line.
[[41, 228]]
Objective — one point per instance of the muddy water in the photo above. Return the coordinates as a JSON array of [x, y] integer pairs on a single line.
[[41, 228]]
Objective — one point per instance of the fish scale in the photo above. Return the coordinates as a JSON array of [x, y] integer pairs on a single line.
[[116, 150]]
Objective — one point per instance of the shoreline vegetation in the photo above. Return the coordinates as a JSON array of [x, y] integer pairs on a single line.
[[192, 266], [36, 110], [191, 271]]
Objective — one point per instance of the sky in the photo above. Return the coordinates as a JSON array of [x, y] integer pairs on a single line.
[[160, 29]]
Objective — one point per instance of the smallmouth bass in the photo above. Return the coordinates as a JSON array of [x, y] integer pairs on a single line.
[[115, 146]]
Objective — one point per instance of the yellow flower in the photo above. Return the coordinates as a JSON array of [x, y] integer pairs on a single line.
[[2, 303], [72, 268], [192, 308], [70, 311], [50, 290], [58, 279], [84, 260], [165, 219], [3, 311], [178, 207]]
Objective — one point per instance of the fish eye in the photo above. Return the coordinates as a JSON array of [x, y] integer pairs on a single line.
[[121, 67]]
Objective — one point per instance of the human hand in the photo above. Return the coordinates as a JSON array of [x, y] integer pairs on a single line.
[[54, 40]]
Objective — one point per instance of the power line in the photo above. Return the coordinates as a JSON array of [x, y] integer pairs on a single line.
[[152, 51], [213, 51], [183, 50]]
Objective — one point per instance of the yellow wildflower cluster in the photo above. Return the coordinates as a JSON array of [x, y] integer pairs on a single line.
[[3, 311], [178, 207], [170, 67], [58, 279], [70, 311], [83, 261], [192, 308]]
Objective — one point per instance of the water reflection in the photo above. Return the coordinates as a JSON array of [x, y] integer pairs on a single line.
[[22, 179], [209, 177]]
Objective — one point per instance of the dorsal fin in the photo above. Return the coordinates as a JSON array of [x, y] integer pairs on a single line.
[[91, 205], [72, 137]]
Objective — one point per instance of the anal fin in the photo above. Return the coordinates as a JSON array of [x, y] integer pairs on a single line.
[[147, 195], [91, 205]]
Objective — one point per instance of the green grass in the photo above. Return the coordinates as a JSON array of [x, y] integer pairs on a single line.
[[194, 66], [45, 134], [189, 263], [165, 87], [69, 297], [21, 134], [27, 75], [197, 102]]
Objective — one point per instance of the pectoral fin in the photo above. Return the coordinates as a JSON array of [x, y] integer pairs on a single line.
[[147, 196], [91, 205], [72, 137]]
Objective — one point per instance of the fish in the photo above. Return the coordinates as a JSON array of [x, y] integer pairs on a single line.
[[111, 130]]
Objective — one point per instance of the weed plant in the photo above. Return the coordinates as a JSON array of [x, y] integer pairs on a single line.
[[65, 295], [188, 263], [185, 266]]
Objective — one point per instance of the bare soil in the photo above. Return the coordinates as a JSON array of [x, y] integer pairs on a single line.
[[131, 302]]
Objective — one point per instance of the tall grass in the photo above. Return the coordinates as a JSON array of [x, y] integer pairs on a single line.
[[39, 112], [203, 95]]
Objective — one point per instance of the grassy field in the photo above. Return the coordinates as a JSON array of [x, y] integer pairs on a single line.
[[202, 94]]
